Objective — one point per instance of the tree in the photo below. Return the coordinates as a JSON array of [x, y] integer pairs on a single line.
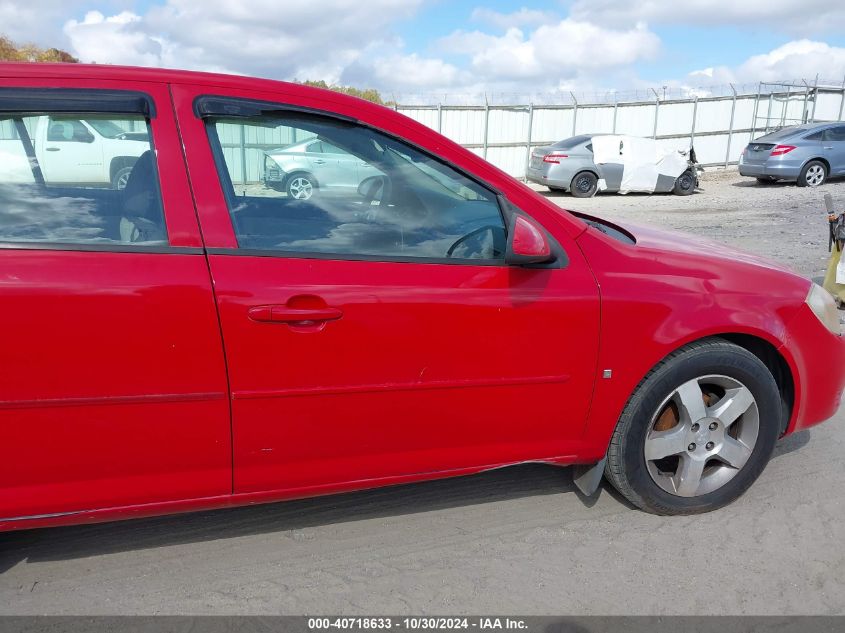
[[12, 52], [370, 94]]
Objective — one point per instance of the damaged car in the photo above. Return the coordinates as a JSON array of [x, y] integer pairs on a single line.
[[587, 164]]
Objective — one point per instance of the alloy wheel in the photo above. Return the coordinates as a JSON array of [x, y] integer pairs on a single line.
[[300, 188], [814, 175], [702, 435]]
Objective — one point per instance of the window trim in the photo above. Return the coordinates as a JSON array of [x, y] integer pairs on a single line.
[[101, 247], [41, 101]]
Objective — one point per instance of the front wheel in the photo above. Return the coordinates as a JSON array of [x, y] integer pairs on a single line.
[[684, 184], [813, 174], [697, 432], [300, 186]]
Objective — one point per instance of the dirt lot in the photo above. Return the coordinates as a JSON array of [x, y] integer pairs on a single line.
[[518, 540]]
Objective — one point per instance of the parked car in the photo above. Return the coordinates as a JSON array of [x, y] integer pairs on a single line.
[[586, 164], [807, 154], [182, 344], [301, 169], [101, 152]]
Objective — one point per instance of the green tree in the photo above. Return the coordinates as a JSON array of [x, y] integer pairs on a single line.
[[370, 94], [12, 52]]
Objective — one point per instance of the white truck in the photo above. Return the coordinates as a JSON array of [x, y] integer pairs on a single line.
[[92, 152]]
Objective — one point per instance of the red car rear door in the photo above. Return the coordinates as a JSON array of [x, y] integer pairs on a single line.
[[112, 379], [377, 334]]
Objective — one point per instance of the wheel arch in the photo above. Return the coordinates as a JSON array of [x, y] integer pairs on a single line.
[[820, 159], [119, 162], [777, 364], [301, 172], [760, 344]]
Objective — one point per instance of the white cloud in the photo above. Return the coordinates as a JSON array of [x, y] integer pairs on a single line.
[[793, 61], [282, 40], [522, 17], [554, 52], [782, 15]]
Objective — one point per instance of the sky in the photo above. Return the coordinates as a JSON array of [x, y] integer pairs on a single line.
[[442, 47]]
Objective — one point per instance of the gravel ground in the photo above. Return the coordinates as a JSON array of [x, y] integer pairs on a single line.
[[780, 220], [518, 540]]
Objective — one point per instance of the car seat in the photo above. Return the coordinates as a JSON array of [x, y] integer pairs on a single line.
[[142, 219]]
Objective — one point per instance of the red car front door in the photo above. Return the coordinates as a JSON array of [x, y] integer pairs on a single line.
[[112, 379], [364, 344]]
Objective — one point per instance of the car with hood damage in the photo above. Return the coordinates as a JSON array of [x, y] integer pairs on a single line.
[[196, 340]]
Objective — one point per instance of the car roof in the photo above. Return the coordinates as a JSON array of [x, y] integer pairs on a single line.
[[30, 70], [340, 102]]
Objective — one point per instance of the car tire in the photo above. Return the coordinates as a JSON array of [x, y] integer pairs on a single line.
[[121, 178], [584, 185], [684, 184], [656, 420], [300, 186], [813, 174]]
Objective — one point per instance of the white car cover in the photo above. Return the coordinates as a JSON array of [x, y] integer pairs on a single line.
[[643, 160]]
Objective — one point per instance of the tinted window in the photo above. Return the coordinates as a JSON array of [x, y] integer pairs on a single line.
[[778, 135], [391, 201], [571, 143], [835, 134], [815, 136], [60, 183]]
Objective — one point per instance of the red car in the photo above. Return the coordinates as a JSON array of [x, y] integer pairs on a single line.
[[196, 339]]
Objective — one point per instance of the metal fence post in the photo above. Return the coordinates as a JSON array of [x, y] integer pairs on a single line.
[[694, 116], [785, 109], [656, 112], [757, 106], [815, 96], [731, 128], [530, 134], [486, 124], [574, 113], [769, 111], [842, 102], [615, 110], [242, 148]]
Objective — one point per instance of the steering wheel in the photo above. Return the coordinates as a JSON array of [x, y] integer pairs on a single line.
[[492, 229]]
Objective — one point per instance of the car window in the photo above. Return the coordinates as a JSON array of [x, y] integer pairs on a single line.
[[815, 136], [314, 148], [57, 188], [68, 130], [392, 201], [328, 148], [835, 133], [572, 142]]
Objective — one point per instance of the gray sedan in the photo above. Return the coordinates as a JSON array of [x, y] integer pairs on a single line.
[[572, 165], [807, 154]]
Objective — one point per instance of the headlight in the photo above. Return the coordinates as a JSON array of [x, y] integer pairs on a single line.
[[822, 304]]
